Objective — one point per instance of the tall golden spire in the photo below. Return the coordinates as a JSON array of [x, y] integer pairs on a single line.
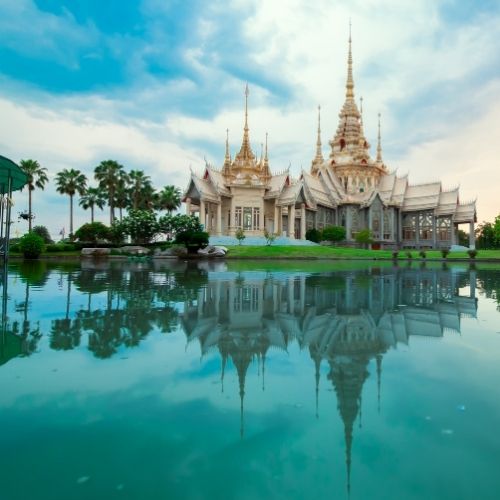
[[318, 159], [266, 172], [226, 167], [379, 143], [350, 81], [245, 156]]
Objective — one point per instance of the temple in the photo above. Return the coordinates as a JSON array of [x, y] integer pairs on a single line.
[[349, 188]]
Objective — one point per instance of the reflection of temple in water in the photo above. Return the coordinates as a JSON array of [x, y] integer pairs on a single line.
[[345, 319]]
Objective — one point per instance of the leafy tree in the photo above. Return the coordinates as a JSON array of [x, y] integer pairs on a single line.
[[333, 233], [109, 174], [43, 232], [187, 230], [140, 225], [93, 232], [270, 237], [71, 182], [37, 177], [240, 235], [463, 238], [364, 237], [169, 199], [488, 234], [31, 245], [92, 197]]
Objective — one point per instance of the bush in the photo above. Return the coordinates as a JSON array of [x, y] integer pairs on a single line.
[[422, 254], [31, 245], [333, 233], [395, 254], [472, 253], [60, 247], [445, 252], [43, 232], [140, 225], [240, 235], [364, 237], [92, 232], [313, 235], [270, 237], [192, 240], [409, 255]]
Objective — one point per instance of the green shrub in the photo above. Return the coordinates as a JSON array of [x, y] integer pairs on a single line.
[[240, 235], [92, 232], [422, 254], [31, 246], [140, 225], [333, 233], [270, 237], [472, 253], [364, 237], [313, 235], [445, 252], [15, 248], [395, 254], [60, 247], [192, 240], [43, 232], [409, 255]]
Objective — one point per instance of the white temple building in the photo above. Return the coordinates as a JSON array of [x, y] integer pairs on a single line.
[[349, 188]]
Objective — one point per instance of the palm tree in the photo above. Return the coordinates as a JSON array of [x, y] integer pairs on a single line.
[[122, 193], [108, 174], [170, 198], [37, 177], [71, 182], [92, 197], [139, 185]]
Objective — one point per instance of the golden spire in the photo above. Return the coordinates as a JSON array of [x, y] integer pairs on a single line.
[[246, 153], [350, 81], [318, 159], [265, 166], [226, 167], [379, 144]]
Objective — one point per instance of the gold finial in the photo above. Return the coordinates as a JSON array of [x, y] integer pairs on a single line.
[[247, 92], [379, 144], [261, 153], [319, 153], [265, 157], [350, 80], [246, 153], [228, 156]]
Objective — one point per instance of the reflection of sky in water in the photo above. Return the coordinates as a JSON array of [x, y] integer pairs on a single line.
[[152, 421]]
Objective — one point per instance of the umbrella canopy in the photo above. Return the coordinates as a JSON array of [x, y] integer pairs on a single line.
[[9, 169]]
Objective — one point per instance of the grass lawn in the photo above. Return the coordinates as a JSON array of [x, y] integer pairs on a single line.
[[323, 252]]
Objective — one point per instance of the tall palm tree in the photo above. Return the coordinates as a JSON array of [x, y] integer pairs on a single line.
[[37, 177], [92, 197], [108, 174], [169, 198], [71, 182], [139, 183], [122, 193]]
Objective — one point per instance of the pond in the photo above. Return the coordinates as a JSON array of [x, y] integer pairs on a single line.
[[240, 380]]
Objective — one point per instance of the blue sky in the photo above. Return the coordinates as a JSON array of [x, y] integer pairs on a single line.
[[155, 83]]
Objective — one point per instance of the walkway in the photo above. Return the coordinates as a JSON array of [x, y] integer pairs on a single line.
[[258, 241]]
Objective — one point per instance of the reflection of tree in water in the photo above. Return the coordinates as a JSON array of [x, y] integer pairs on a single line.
[[488, 281]]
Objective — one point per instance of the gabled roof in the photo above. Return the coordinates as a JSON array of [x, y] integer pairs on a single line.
[[422, 196], [465, 212]]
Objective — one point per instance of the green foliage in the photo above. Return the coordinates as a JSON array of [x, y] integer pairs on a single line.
[[488, 234], [313, 235], [31, 246], [463, 238], [333, 234], [192, 240], [364, 237], [240, 235], [395, 254], [43, 232], [60, 247], [140, 225], [422, 254], [92, 232], [174, 224], [409, 255], [169, 198], [472, 253], [445, 252], [270, 237]]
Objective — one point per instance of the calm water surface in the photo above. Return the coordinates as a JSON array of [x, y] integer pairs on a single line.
[[245, 381]]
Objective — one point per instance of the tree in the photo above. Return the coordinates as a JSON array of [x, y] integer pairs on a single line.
[[109, 174], [140, 225], [31, 245], [333, 233], [364, 237], [43, 232], [37, 177], [140, 185], [488, 234], [169, 199], [71, 182], [93, 232], [92, 197], [240, 235], [270, 237]]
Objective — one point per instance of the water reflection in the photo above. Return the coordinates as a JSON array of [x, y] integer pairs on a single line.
[[345, 320]]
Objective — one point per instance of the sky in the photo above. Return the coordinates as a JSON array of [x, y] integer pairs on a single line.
[[154, 84]]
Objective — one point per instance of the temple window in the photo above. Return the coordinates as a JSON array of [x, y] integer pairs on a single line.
[[444, 229], [237, 216], [376, 216], [256, 218], [247, 218], [409, 227], [387, 225], [425, 226]]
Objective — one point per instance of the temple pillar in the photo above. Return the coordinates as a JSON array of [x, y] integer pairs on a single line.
[[472, 235], [434, 235], [231, 228], [291, 222], [276, 215], [453, 234], [203, 214], [303, 221], [188, 206], [348, 223], [218, 228]]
